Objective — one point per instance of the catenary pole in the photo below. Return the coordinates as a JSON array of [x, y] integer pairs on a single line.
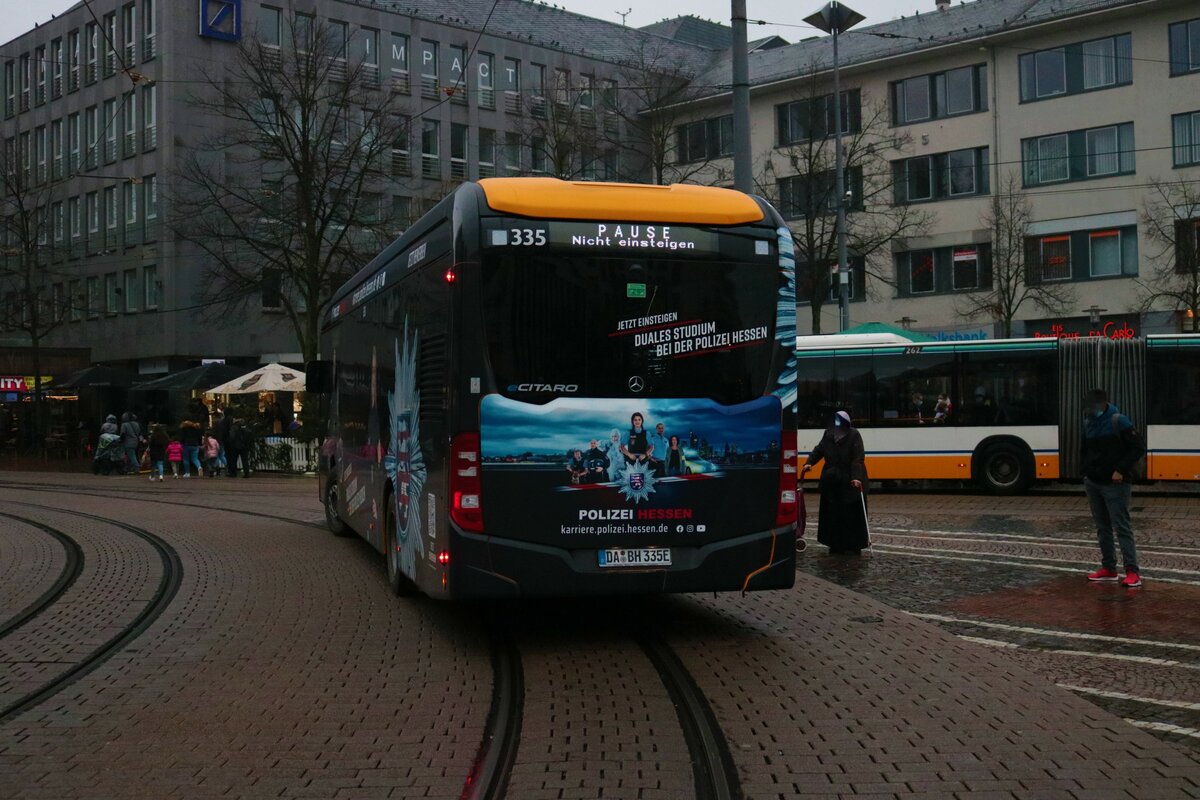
[[743, 179]]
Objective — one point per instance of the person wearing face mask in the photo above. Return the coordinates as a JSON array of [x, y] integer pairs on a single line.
[[1111, 448], [842, 526], [637, 446]]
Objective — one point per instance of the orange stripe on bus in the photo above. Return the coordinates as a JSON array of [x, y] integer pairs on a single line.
[[1172, 467]]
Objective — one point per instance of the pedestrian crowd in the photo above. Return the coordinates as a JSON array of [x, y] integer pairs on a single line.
[[126, 447]]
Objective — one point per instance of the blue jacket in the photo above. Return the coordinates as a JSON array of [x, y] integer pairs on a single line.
[[1110, 444]]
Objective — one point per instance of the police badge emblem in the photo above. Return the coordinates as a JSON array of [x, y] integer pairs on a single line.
[[636, 482]]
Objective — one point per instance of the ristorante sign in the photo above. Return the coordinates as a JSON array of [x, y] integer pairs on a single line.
[[1123, 326]]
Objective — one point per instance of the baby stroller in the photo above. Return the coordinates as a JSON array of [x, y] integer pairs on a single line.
[[109, 455]]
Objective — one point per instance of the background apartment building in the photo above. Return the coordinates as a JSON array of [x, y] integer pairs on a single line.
[[1078, 108], [97, 118]]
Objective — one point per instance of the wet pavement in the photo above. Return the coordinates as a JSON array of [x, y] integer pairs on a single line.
[[217, 641], [1008, 574]]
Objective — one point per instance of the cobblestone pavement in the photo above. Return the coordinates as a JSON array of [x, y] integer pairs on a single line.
[[282, 667], [1007, 574]]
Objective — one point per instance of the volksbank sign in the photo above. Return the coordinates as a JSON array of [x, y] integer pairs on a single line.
[[221, 19]]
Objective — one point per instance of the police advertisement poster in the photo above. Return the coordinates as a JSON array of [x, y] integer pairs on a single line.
[[577, 472]]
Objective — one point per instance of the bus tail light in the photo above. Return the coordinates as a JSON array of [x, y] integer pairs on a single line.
[[786, 512], [465, 485]]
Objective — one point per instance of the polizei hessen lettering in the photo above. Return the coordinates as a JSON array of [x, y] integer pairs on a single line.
[[555, 388]]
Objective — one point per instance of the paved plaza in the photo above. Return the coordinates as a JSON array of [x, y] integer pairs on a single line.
[[208, 638]]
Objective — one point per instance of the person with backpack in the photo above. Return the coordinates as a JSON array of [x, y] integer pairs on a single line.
[[189, 436], [1111, 449]]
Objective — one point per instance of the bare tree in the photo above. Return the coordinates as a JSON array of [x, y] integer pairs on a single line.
[[652, 99], [564, 132], [31, 223], [803, 190], [1171, 220], [1016, 269], [286, 197]]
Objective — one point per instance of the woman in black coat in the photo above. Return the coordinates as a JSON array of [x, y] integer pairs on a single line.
[[842, 526]]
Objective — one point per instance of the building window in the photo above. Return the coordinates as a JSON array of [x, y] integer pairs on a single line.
[[75, 218], [1078, 155], [960, 173], [431, 166], [511, 80], [704, 139], [816, 194], [91, 132], [487, 153], [148, 51], [130, 198], [485, 80], [72, 60], [91, 44], [941, 94], [110, 212], [93, 296], [151, 287], [537, 155], [1075, 68], [920, 272], [1185, 139], [131, 291], [399, 63], [966, 268], [59, 216], [429, 69], [150, 190], [1185, 47], [131, 124], [129, 31], [73, 139], [268, 29], [943, 270], [272, 289], [807, 281], [110, 132], [302, 33], [75, 300], [512, 153], [93, 213], [111, 294], [458, 151], [149, 117], [537, 89], [1055, 258], [812, 118]]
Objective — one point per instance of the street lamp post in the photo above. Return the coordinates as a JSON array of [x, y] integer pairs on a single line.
[[835, 18]]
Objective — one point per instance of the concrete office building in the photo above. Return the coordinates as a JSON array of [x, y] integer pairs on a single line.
[[1086, 102], [97, 109]]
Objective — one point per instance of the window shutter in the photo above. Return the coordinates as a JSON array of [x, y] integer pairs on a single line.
[[1033, 267]]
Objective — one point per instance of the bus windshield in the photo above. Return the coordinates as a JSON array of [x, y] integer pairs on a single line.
[[620, 327]]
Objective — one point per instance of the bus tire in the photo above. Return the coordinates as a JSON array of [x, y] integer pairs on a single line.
[[1004, 468], [333, 520], [398, 582]]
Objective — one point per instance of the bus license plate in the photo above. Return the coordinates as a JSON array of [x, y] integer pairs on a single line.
[[636, 557]]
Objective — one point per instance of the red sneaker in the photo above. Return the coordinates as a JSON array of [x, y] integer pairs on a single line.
[[1132, 580], [1104, 574]]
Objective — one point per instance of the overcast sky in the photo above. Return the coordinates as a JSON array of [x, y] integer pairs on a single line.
[[18, 16]]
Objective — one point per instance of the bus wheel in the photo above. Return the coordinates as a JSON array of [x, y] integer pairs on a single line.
[[332, 519], [398, 582], [1004, 469]]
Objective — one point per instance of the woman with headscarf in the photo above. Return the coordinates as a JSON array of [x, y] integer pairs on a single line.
[[842, 526]]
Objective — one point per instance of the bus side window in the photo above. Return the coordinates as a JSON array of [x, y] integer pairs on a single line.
[[1000, 389], [1174, 375], [827, 385], [914, 389]]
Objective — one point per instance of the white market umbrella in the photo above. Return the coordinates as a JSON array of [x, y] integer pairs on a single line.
[[271, 378]]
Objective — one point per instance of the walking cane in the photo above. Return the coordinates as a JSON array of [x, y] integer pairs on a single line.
[[862, 495]]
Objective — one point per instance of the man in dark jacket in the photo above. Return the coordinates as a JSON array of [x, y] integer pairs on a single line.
[[1111, 448]]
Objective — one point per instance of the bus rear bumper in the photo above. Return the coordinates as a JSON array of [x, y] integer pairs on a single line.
[[489, 566]]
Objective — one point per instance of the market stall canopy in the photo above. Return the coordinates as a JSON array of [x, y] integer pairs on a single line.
[[271, 378], [96, 377], [203, 377], [883, 327]]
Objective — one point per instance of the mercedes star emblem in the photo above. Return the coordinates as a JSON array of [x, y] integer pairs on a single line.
[[636, 384]]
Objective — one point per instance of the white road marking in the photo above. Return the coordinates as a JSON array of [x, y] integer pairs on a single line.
[[1084, 564], [989, 642], [1123, 696], [1159, 662], [908, 552], [1165, 727], [1100, 637], [1087, 544]]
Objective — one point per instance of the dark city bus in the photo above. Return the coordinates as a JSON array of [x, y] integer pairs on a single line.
[[555, 388]]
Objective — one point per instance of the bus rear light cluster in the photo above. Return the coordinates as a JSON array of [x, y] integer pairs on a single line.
[[465, 485], [787, 511], [443, 557]]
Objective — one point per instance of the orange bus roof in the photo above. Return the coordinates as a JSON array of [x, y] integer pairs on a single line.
[[633, 202]]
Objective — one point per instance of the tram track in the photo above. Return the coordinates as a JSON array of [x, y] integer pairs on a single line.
[[138, 496], [66, 577], [488, 779], [168, 586]]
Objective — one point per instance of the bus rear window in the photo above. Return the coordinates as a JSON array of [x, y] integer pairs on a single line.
[[600, 327]]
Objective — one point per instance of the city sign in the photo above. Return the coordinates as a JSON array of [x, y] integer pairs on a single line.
[[221, 19]]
